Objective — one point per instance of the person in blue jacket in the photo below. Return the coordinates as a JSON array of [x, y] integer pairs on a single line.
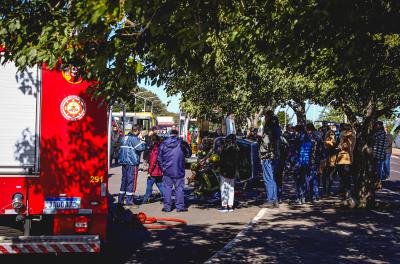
[[129, 157], [171, 159]]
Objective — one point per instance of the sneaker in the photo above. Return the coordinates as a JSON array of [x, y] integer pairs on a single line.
[[148, 201], [298, 201], [303, 200], [223, 209], [182, 210], [165, 210], [276, 204], [351, 203], [230, 209]]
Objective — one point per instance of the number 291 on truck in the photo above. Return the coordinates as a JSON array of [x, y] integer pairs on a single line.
[[53, 162]]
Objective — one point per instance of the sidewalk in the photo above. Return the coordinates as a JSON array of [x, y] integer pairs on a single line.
[[396, 152], [207, 231], [325, 232]]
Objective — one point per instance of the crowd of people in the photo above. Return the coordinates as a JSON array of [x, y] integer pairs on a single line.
[[312, 158], [165, 158]]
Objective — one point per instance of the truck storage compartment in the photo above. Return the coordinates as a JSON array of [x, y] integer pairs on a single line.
[[19, 104]]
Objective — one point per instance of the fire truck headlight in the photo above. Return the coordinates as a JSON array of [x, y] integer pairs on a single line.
[[17, 201]]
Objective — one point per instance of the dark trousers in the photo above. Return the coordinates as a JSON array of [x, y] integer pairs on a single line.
[[128, 183], [327, 179], [279, 178], [168, 184], [344, 171]]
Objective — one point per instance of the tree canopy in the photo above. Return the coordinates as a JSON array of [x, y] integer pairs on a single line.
[[224, 56]]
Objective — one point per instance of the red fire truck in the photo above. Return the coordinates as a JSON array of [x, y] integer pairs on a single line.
[[53, 162]]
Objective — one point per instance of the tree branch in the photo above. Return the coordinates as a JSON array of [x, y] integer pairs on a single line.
[[349, 112]]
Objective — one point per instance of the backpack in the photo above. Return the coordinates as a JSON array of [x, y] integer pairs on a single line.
[[306, 147], [229, 159]]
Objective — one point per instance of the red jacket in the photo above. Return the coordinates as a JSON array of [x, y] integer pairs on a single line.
[[154, 168]]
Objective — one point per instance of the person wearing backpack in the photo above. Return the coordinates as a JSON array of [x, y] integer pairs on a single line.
[[129, 158], [316, 155], [303, 160], [229, 161], [269, 155], [171, 159]]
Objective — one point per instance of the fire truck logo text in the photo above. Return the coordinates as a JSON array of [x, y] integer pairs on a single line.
[[72, 75], [73, 108]]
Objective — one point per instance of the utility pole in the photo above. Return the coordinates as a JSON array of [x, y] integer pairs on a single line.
[[123, 118], [285, 116]]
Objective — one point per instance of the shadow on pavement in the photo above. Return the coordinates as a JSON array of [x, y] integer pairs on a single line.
[[324, 233]]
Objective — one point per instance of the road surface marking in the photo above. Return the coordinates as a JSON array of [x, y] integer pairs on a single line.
[[390, 191], [238, 237]]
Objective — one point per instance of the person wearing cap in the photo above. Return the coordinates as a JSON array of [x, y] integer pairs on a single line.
[[129, 158], [171, 159]]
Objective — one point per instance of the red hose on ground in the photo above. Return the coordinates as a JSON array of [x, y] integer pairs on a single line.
[[149, 221]]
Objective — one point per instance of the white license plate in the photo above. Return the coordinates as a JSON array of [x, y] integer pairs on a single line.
[[62, 203]]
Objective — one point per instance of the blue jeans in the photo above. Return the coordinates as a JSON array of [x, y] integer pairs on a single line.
[[386, 166], [149, 189], [269, 171], [301, 185], [379, 165], [312, 181]]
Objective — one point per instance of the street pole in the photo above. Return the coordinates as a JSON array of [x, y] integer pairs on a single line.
[[123, 118], [144, 106], [285, 116]]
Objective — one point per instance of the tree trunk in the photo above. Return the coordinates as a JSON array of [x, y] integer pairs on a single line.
[[299, 109], [252, 121], [366, 180]]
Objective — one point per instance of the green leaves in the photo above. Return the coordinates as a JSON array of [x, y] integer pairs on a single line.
[[230, 56]]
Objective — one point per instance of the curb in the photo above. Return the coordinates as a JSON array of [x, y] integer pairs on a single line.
[[238, 237]]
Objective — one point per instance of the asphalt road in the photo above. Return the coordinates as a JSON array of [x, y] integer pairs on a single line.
[[322, 233]]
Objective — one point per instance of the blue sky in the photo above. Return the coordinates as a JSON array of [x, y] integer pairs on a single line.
[[313, 112], [174, 100]]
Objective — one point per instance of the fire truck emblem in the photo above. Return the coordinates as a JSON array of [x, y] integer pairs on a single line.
[[73, 108], [72, 75]]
